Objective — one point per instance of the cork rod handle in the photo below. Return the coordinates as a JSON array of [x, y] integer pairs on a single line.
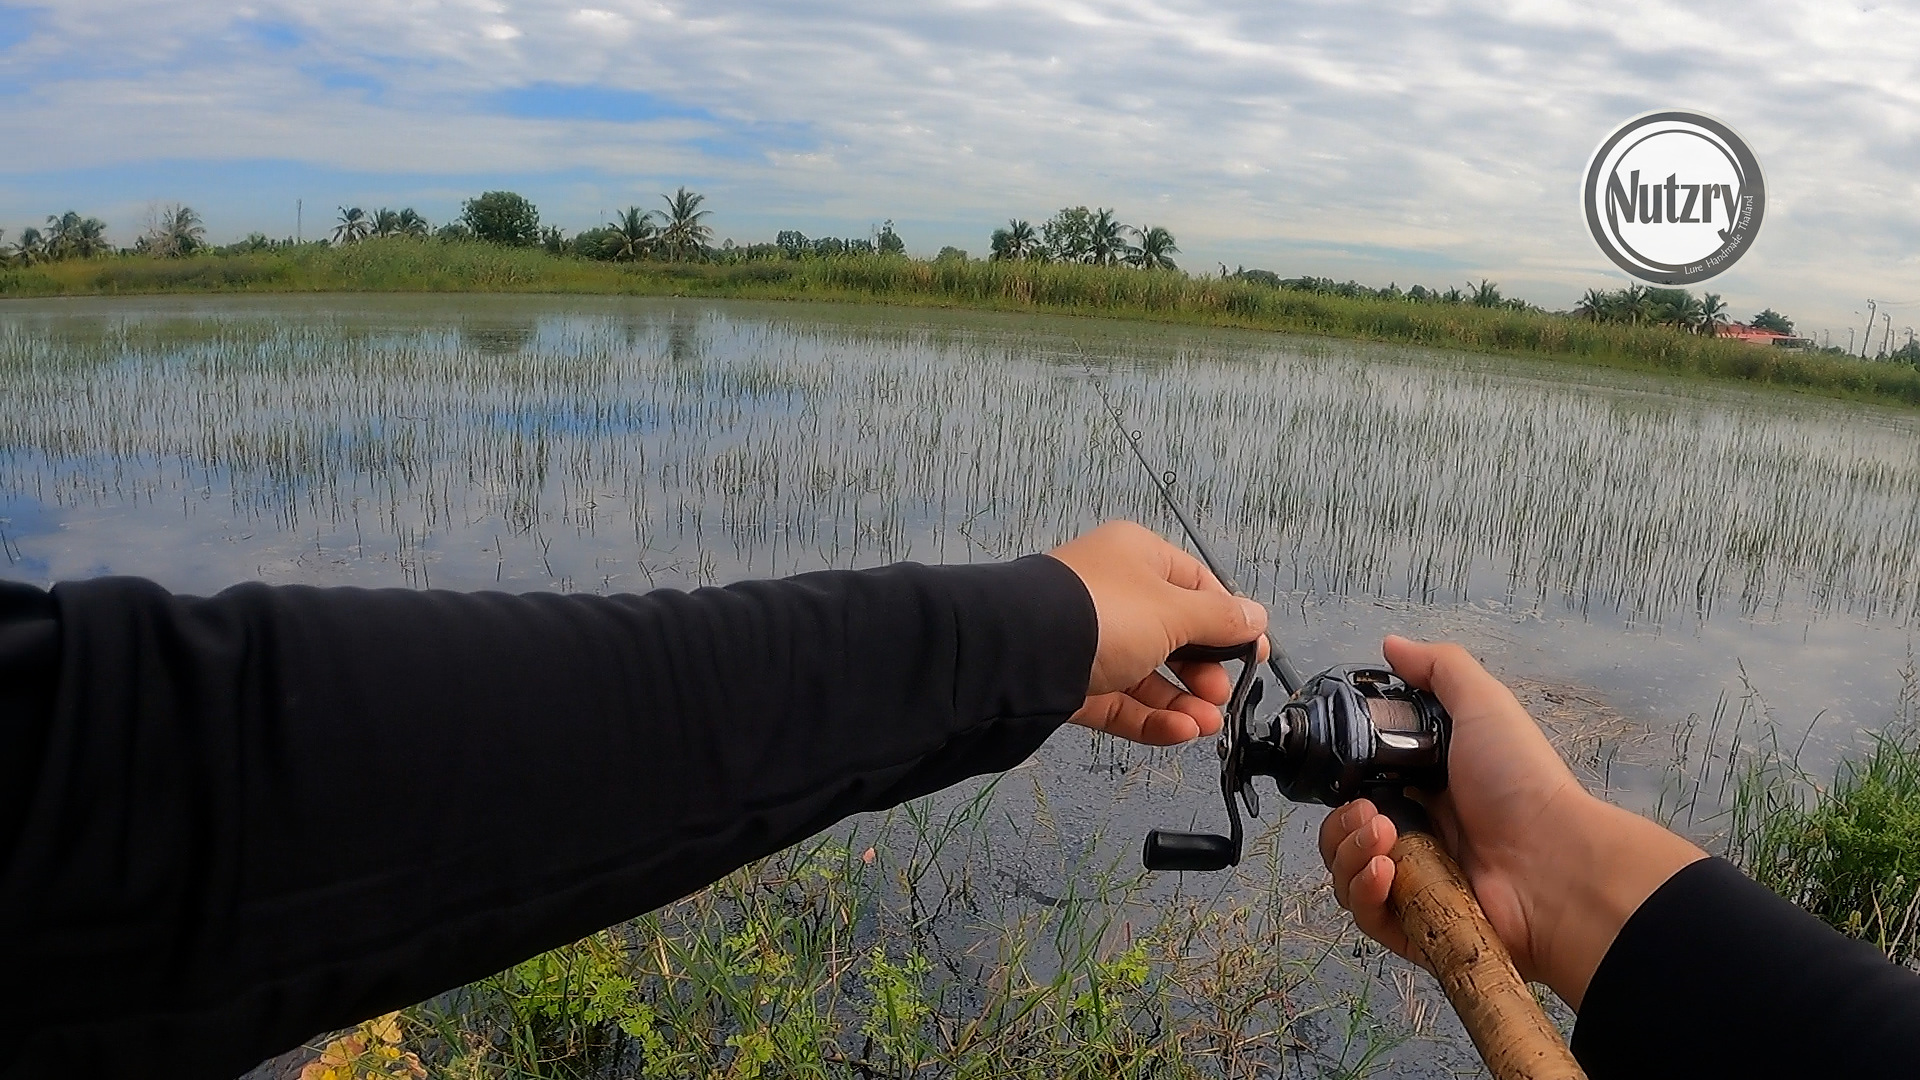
[[1446, 924]]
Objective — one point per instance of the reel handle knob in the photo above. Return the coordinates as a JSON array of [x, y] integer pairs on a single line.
[[1189, 851]]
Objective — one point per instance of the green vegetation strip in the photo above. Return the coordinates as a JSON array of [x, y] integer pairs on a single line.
[[401, 265], [827, 961], [1848, 852]]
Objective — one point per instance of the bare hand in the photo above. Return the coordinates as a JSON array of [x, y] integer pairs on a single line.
[[1557, 870], [1152, 598]]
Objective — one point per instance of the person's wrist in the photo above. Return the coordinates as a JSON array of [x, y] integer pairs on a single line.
[[1605, 863]]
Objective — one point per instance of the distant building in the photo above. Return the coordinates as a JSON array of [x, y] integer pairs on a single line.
[[1753, 335]]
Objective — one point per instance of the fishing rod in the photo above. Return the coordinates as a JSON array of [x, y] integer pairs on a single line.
[[1360, 731], [1277, 661]]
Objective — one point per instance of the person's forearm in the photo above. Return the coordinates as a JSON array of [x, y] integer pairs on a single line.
[[246, 818], [1578, 912], [1716, 976]]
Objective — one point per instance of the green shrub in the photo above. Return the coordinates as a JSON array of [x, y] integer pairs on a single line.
[[1849, 854], [502, 217], [27, 283]]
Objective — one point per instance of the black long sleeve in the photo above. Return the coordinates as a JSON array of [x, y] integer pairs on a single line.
[[1716, 976], [230, 823]]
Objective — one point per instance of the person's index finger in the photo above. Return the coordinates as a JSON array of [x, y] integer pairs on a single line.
[[1184, 569]]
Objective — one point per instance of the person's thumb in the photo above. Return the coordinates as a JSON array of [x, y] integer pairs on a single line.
[[1448, 670], [1207, 617]]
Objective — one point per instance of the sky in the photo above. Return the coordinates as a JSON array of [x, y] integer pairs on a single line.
[[1429, 142]]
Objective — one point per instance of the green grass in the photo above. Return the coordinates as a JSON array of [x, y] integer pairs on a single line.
[[835, 960], [1849, 851], [413, 266]]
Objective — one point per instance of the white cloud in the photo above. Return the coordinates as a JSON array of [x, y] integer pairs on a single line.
[[1365, 138]]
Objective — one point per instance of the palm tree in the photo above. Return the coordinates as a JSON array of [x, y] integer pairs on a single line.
[[1684, 313], [1485, 294], [1024, 240], [631, 236], [410, 223], [683, 235], [88, 238], [173, 232], [1106, 239], [1594, 305], [1713, 314], [354, 226], [385, 222], [30, 248], [1635, 304], [1015, 242], [1154, 249], [70, 236], [56, 234], [189, 234]]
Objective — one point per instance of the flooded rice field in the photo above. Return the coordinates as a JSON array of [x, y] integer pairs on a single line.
[[1672, 574]]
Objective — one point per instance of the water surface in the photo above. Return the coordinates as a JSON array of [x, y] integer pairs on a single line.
[[1643, 537]]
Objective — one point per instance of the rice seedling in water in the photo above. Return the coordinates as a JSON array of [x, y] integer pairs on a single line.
[[760, 444]]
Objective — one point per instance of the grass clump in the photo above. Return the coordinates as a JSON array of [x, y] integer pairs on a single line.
[[404, 265], [1849, 853]]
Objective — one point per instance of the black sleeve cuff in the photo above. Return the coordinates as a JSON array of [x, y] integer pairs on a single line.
[[1716, 976]]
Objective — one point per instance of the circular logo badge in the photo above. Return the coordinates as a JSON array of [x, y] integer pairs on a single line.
[[1674, 197]]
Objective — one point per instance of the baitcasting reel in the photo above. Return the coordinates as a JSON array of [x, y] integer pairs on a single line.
[[1349, 731]]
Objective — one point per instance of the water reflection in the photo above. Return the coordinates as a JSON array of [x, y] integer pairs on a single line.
[[498, 339]]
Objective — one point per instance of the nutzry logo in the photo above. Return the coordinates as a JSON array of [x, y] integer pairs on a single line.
[[1674, 197]]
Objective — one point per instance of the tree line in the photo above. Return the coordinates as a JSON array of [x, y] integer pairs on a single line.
[[499, 217], [678, 231], [1633, 305], [171, 231], [1075, 234], [1678, 308], [67, 236], [1486, 294]]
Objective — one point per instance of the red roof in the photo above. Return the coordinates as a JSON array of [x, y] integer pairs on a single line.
[[1753, 334]]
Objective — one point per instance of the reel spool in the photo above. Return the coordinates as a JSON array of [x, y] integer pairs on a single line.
[[1351, 731]]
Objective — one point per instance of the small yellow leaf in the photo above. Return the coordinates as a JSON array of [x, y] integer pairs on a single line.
[[385, 1028]]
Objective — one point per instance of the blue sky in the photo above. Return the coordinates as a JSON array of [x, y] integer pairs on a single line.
[[1423, 141]]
